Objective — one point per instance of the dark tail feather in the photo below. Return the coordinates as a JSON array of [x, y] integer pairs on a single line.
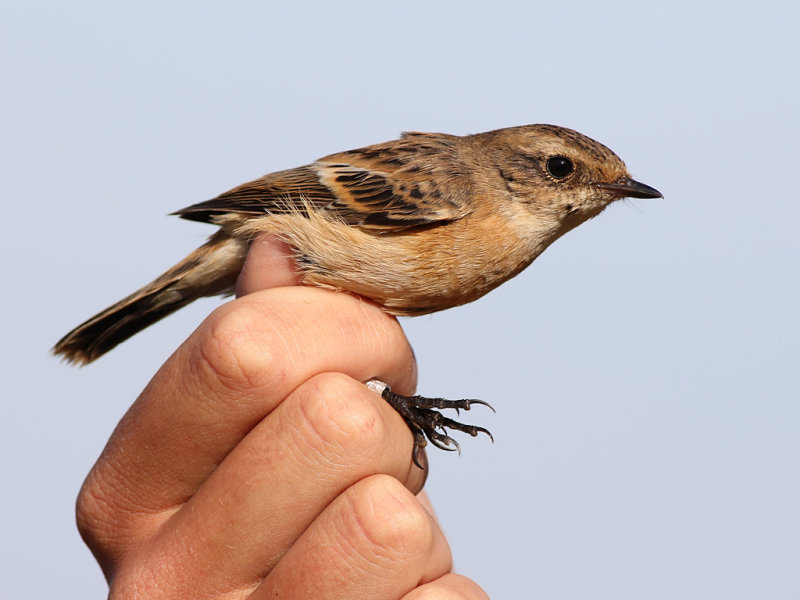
[[210, 270]]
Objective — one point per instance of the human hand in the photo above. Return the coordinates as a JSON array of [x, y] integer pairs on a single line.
[[256, 464]]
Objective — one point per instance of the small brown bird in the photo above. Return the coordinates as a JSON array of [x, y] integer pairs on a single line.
[[418, 224]]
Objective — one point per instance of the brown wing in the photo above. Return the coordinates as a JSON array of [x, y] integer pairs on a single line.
[[410, 182]]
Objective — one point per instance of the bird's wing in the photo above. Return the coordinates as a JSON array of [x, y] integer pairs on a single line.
[[411, 182]]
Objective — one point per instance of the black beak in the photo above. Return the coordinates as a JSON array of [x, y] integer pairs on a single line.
[[630, 188]]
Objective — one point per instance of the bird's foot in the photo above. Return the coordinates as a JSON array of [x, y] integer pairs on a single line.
[[427, 423]]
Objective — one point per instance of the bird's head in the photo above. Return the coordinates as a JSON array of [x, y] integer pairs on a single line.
[[557, 172]]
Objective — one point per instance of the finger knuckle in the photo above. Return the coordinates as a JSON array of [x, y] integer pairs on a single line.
[[237, 352], [91, 514], [390, 519], [101, 520], [341, 413]]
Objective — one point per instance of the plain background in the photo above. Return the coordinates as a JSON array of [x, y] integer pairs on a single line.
[[644, 369]]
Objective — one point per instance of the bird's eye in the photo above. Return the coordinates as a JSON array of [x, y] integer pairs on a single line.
[[559, 166]]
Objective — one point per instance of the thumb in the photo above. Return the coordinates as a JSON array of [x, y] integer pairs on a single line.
[[269, 263]]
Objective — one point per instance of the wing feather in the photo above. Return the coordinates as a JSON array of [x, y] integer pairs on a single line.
[[391, 186]]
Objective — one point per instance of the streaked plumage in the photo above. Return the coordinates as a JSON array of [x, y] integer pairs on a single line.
[[418, 224]]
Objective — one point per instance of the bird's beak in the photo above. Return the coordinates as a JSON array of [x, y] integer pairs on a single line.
[[630, 188]]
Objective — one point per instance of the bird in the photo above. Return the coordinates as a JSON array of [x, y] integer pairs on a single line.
[[419, 224]]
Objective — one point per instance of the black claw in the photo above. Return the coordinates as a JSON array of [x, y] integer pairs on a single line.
[[427, 424], [482, 403], [419, 443], [444, 442]]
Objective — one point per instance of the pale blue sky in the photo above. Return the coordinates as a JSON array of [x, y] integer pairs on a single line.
[[644, 369]]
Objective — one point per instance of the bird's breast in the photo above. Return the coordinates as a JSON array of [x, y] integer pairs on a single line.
[[410, 272]]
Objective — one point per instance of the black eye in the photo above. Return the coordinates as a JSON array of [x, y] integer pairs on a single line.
[[559, 167]]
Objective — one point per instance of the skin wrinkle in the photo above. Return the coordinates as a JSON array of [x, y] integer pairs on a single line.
[[113, 480], [355, 447], [334, 426], [289, 342], [370, 516], [168, 552], [302, 450], [244, 343], [98, 518], [341, 547], [266, 346], [352, 529]]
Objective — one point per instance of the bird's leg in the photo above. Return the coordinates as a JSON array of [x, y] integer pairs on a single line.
[[427, 423]]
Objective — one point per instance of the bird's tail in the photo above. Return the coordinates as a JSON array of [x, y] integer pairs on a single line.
[[210, 270]]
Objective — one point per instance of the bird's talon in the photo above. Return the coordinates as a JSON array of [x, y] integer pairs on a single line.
[[427, 423]]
